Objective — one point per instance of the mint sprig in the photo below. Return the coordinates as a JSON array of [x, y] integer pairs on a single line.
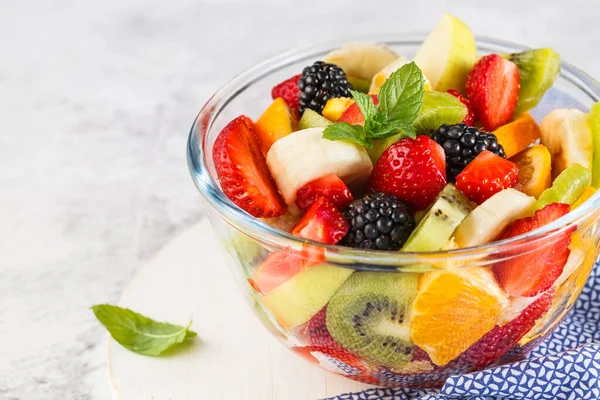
[[138, 333], [400, 101]]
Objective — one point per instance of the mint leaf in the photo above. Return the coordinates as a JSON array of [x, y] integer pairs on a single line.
[[347, 132], [394, 128], [365, 104], [401, 96], [138, 333]]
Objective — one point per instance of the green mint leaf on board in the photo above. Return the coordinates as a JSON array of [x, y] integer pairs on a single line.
[[347, 132], [365, 104], [401, 96], [138, 333]]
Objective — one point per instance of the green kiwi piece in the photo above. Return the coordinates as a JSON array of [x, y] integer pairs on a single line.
[[568, 186], [367, 316], [438, 225], [538, 69], [312, 119], [439, 108]]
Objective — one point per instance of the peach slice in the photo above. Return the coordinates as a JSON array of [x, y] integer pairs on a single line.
[[275, 123], [517, 135]]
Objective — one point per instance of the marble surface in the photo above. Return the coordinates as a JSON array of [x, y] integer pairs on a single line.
[[96, 99]]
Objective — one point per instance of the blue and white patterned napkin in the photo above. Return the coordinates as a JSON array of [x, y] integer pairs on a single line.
[[564, 366]]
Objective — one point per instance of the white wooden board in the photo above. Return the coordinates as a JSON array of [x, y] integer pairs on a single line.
[[233, 357]]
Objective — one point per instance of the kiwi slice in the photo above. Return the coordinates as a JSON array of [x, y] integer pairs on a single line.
[[438, 109], [538, 69], [312, 119], [368, 316], [567, 187], [438, 225]]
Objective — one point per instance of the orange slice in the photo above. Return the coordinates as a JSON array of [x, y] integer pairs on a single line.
[[335, 107], [453, 309], [535, 170], [589, 192], [276, 122], [517, 135]]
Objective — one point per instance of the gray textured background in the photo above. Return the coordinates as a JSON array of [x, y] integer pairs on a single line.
[[96, 99]]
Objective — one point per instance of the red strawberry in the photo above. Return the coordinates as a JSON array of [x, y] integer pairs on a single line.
[[290, 93], [323, 223], [353, 115], [414, 170], [486, 175], [277, 269], [320, 340], [242, 170], [500, 340], [493, 89], [330, 187], [470, 118], [533, 270]]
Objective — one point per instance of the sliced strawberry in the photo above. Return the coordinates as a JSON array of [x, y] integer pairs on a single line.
[[493, 88], [534, 270], [290, 93], [330, 187], [323, 223], [486, 175], [414, 170], [470, 118], [500, 340], [277, 269], [353, 115], [242, 170]]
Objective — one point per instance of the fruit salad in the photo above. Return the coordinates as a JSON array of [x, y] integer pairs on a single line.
[[372, 152]]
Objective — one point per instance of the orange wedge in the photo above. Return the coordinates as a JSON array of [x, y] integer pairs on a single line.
[[535, 170], [335, 107], [276, 122], [453, 309], [517, 135], [589, 192]]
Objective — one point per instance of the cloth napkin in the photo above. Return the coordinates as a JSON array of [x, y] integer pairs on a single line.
[[564, 366]]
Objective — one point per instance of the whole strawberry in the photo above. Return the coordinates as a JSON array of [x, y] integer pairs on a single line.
[[493, 89], [414, 170]]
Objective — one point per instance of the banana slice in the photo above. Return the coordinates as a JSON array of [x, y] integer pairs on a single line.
[[568, 136], [488, 220], [362, 60], [304, 156]]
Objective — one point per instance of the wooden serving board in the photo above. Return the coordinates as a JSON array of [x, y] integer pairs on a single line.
[[233, 357]]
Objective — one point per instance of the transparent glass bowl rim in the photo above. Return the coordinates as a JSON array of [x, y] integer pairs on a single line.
[[198, 149]]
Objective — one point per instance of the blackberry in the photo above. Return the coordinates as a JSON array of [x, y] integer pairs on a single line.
[[462, 144], [378, 221], [319, 83]]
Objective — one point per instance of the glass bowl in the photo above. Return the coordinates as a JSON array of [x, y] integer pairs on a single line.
[[435, 314]]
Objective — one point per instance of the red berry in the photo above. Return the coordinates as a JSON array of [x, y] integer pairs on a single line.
[[487, 175], [242, 170], [323, 223], [275, 270], [330, 187], [414, 170], [353, 115], [470, 118], [500, 340], [533, 270], [290, 93], [493, 88]]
